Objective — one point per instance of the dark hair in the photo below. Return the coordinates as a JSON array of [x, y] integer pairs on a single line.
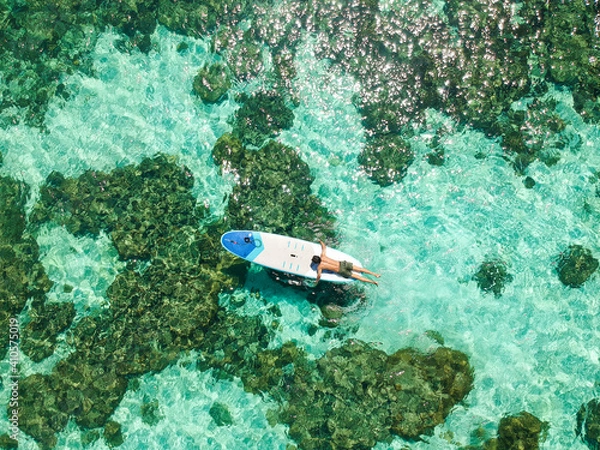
[[316, 259]]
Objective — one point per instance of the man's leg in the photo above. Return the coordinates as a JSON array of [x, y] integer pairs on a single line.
[[366, 280], [362, 269]]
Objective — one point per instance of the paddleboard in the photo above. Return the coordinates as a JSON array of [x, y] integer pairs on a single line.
[[283, 253]]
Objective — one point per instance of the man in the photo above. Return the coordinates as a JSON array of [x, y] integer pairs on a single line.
[[344, 268]]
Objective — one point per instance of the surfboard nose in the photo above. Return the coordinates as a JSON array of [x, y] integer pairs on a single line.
[[240, 243]]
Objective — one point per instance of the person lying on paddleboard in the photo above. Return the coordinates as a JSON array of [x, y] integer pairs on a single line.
[[344, 268]]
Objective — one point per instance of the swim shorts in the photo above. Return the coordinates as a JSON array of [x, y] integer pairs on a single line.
[[346, 269]]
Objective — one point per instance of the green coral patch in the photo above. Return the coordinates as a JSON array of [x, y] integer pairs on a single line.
[[522, 430], [112, 434], [537, 132], [386, 159], [22, 276], [13, 196], [220, 414], [588, 424], [158, 308], [262, 116], [355, 396], [575, 266], [272, 191], [492, 276], [211, 83], [137, 205], [47, 321], [352, 397]]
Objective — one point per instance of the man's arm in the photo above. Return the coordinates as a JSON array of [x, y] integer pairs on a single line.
[[323, 249]]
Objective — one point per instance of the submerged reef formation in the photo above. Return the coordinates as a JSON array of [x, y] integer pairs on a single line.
[[522, 430], [42, 41], [199, 18], [244, 57], [568, 45], [220, 414], [492, 276], [137, 205], [112, 434], [211, 83], [22, 276], [8, 443], [575, 265], [386, 159], [47, 320], [515, 432], [262, 116], [588, 424], [272, 191], [159, 306], [352, 397], [359, 395], [471, 60], [535, 133], [39, 43]]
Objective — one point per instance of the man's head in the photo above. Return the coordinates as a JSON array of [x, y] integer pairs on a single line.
[[316, 259]]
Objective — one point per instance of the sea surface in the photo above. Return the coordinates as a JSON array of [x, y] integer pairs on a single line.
[[534, 348]]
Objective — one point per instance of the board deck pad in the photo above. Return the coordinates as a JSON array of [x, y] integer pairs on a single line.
[[283, 253]]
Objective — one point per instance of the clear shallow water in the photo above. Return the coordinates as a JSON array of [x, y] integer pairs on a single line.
[[534, 348]]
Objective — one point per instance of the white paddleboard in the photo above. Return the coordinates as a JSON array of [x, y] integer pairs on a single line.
[[283, 253]]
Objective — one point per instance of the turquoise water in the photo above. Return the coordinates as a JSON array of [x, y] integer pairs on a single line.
[[534, 348]]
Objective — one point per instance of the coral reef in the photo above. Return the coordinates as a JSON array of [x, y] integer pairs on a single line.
[[272, 191], [153, 317], [352, 397], [535, 133], [211, 83], [198, 18], [386, 159], [220, 414], [231, 342], [262, 116], [244, 58], [150, 412], [569, 51], [515, 432], [137, 205], [13, 195], [40, 42], [22, 276], [38, 339], [522, 430], [528, 182], [355, 396], [112, 433], [158, 307], [472, 61], [588, 424], [575, 265], [7, 442], [492, 276]]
